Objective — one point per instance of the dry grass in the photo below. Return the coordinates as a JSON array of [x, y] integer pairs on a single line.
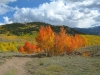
[[61, 65], [94, 50], [66, 65]]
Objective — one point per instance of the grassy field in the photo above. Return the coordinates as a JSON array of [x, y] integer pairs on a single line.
[[66, 65], [11, 72], [58, 65]]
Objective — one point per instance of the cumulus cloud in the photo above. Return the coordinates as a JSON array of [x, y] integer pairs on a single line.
[[4, 8], [6, 20], [6, 1], [73, 13]]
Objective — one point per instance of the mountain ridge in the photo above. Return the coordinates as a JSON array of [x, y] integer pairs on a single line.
[[30, 28], [92, 30]]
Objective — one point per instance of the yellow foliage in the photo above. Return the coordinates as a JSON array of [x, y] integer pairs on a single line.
[[92, 40], [86, 54], [2, 48], [8, 46]]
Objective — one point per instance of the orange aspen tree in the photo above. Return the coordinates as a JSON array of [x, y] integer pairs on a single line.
[[27, 48], [57, 44], [81, 41], [32, 48], [45, 39], [74, 42], [78, 40], [21, 49], [84, 40], [60, 42], [69, 44]]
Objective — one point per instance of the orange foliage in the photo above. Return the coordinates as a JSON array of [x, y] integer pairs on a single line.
[[58, 44], [74, 42], [45, 39], [27, 48], [21, 49], [53, 43], [33, 48], [86, 54], [70, 44]]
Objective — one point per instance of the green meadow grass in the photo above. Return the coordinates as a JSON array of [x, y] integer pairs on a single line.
[[64, 65], [10, 72]]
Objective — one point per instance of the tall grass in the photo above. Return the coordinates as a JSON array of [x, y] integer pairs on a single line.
[[67, 65]]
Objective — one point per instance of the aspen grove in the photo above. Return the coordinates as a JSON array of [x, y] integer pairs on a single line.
[[58, 43], [53, 43]]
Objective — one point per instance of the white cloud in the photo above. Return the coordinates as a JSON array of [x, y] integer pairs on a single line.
[[73, 13], [1, 23], [6, 19], [4, 8], [86, 23], [6, 1]]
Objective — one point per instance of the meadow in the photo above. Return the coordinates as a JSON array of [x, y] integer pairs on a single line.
[[66, 65], [82, 57], [57, 65]]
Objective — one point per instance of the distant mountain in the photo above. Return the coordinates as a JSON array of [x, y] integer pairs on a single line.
[[30, 28], [92, 30]]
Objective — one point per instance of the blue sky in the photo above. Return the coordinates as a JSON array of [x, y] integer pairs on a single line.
[[72, 13], [27, 3], [21, 4]]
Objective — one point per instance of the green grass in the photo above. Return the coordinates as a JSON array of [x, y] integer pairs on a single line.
[[59, 65], [2, 60], [10, 72], [66, 65], [9, 54]]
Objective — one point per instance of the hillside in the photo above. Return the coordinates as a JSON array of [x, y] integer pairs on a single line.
[[30, 28], [92, 30]]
